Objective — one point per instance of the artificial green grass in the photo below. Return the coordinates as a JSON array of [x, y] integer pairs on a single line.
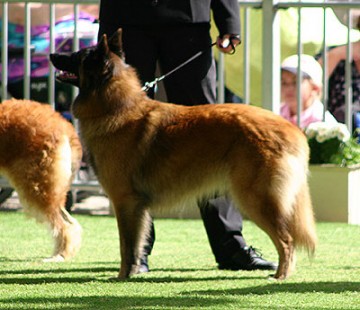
[[183, 271]]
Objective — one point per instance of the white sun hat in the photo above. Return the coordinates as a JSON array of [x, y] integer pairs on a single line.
[[309, 67]]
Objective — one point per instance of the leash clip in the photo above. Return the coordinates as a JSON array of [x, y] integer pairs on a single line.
[[149, 85]]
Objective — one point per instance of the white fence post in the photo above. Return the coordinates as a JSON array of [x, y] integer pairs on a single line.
[[4, 51], [271, 57]]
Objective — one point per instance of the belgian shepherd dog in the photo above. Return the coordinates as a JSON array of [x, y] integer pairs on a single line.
[[153, 155], [40, 153]]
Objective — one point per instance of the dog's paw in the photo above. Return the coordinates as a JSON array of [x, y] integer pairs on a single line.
[[274, 277], [54, 259]]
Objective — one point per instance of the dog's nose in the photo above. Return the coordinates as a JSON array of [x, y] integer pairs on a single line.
[[52, 56]]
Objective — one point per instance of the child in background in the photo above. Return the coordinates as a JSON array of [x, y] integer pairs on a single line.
[[311, 88]]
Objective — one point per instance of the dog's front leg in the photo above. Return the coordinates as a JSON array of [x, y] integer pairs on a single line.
[[133, 224]]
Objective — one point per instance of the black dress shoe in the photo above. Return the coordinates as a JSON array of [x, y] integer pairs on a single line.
[[144, 266], [247, 259]]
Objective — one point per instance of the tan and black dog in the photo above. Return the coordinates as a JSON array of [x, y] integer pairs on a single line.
[[40, 153], [153, 155]]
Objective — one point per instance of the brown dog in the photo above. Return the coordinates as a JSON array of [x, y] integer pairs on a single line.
[[152, 155], [39, 154]]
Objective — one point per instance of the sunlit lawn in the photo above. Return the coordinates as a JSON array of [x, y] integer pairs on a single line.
[[183, 271]]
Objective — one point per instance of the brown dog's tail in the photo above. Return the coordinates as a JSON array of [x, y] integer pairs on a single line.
[[292, 187], [76, 150], [303, 222], [66, 232]]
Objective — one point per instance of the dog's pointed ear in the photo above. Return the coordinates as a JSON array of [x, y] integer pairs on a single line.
[[103, 46], [115, 43]]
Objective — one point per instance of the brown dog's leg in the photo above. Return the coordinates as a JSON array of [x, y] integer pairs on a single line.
[[276, 226], [133, 225], [285, 248], [290, 224], [265, 212], [279, 233]]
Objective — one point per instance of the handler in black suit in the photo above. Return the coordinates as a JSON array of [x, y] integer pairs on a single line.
[[169, 32]]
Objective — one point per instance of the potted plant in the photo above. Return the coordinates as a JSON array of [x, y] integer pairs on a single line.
[[334, 172]]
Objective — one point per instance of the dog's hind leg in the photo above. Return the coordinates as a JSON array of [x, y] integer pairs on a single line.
[[291, 227], [266, 212], [133, 225], [284, 244]]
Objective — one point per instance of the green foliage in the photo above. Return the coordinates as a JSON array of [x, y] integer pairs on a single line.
[[336, 152], [183, 271], [348, 153], [322, 153]]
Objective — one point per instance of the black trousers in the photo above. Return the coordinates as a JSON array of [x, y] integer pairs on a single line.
[[168, 46]]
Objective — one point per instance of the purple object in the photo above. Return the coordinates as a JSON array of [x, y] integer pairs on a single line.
[[64, 29]]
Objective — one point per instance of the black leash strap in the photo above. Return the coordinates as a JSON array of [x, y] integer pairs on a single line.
[[153, 83]]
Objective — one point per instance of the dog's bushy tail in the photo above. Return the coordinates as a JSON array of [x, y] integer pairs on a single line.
[[76, 151], [303, 223], [72, 234], [296, 201], [66, 232]]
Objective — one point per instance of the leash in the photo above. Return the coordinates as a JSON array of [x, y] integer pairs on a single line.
[[149, 85]]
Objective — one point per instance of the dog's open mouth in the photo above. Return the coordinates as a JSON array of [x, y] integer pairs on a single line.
[[67, 68], [67, 77]]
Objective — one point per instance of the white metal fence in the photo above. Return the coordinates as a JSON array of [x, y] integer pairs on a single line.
[[271, 42]]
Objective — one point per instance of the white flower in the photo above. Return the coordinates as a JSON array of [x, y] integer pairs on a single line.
[[332, 133], [312, 129], [343, 133], [310, 133], [321, 138], [322, 131]]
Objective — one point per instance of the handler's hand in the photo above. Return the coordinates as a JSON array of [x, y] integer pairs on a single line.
[[227, 43]]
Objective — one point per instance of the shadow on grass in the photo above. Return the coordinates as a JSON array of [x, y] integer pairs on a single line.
[[46, 280], [40, 280], [47, 269], [122, 302], [283, 287], [55, 273], [51, 270], [171, 279], [192, 299]]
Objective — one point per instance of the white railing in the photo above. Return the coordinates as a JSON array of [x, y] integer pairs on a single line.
[[271, 43], [270, 83], [271, 56]]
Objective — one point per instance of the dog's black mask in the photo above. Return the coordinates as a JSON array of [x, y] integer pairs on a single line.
[[91, 67], [69, 65]]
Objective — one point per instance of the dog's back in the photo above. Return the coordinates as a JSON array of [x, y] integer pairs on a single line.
[[40, 153]]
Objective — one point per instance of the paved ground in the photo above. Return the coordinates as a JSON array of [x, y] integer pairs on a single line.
[[98, 204], [94, 204]]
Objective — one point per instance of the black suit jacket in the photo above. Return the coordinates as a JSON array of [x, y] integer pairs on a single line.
[[172, 12]]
